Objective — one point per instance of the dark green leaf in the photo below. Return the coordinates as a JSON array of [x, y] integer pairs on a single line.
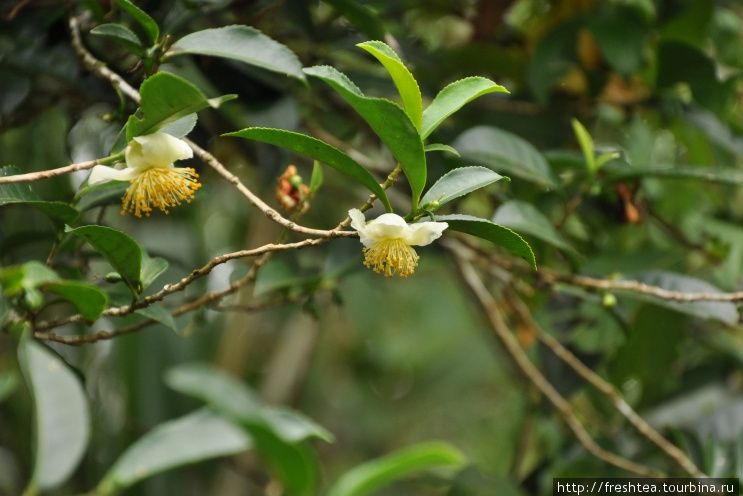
[[406, 84], [454, 97], [275, 431], [62, 416], [503, 151], [362, 17], [372, 476], [8, 383], [151, 269], [492, 232], [199, 436], [459, 182], [622, 36], [89, 300], [524, 218], [244, 44], [233, 398], [23, 193], [717, 310], [438, 147], [618, 170], [275, 275], [167, 98], [318, 150], [31, 275], [159, 313], [389, 121], [147, 22], [122, 35], [121, 251]]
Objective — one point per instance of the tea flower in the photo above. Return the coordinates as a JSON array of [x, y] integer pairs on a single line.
[[155, 183], [388, 241]]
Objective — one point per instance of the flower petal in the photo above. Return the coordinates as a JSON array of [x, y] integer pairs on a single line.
[[358, 222], [103, 174], [424, 233], [157, 150], [388, 226]]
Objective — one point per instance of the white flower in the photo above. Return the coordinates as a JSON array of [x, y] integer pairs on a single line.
[[388, 239], [149, 169]]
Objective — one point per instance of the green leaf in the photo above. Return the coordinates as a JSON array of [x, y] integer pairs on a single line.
[[89, 300], [18, 278], [318, 150], [24, 193], [8, 384], [151, 269], [620, 172], [586, 145], [122, 35], [524, 218], [503, 151], [61, 412], [198, 436], [159, 313], [459, 182], [121, 251], [235, 400], [147, 22], [453, 97], [716, 310], [316, 179], [485, 229], [438, 147], [362, 17], [167, 98], [406, 84], [391, 123], [276, 432], [372, 476], [244, 44]]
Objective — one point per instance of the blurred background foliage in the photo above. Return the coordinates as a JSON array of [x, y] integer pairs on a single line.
[[383, 363]]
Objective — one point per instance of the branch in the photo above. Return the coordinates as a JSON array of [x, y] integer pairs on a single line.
[[532, 373], [551, 277], [36, 176], [99, 68], [180, 285], [607, 390]]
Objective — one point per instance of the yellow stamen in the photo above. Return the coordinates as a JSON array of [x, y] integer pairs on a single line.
[[390, 256], [159, 188]]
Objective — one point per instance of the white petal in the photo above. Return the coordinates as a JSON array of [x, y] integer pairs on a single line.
[[103, 174], [424, 233], [358, 222], [388, 226], [156, 150]]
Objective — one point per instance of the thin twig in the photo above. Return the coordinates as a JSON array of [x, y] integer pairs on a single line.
[[180, 285], [36, 176], [606, 389], [518, 355]]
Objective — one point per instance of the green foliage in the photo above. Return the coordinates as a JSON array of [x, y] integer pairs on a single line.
[[391, 123], [318, 150], [629, 211], [196, 437], [62, 417], [166, 99], [371, 476], [244, 44]]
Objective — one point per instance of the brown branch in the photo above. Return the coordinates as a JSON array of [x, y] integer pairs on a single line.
[[606, 389], [36, 176], [180, 285], [563, 407]]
